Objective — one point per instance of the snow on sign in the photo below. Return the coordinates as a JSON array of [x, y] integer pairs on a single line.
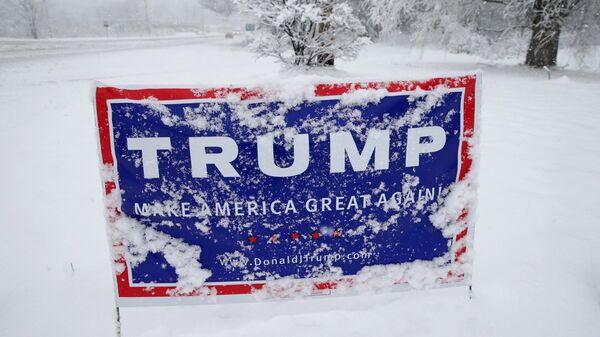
[[227, 194]]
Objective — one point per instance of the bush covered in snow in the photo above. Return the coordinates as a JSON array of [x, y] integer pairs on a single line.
[[305, 32]]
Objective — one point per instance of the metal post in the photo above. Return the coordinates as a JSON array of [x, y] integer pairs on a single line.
[[470, 291], [548, 72], [118, 322], [105, 24], [202, 18]]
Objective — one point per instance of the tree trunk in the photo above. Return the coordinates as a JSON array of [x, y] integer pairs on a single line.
[[31, 15], [545, 32], [33, 27], [326, 59]]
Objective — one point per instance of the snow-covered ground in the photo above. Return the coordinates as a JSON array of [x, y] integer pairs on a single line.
[[537, 257]]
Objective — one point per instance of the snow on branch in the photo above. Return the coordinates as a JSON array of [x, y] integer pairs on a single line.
[[305, 32]]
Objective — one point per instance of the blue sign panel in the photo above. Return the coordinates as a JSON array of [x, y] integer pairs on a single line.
[[269, 189]]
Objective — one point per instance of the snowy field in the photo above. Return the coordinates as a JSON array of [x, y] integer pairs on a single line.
[[537, 257]]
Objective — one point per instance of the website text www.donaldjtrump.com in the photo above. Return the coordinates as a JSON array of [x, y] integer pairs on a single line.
[[228, 261]]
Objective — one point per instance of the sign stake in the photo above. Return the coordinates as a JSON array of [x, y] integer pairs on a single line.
[[118, 322]]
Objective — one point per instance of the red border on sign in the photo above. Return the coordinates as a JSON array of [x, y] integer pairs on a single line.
[[103, 94]]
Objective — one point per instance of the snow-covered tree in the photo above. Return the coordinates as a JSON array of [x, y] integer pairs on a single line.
[[449, 22], [225, 7], [362, 13], [460, 26], [583, 32], [547, 21], [305, 32]]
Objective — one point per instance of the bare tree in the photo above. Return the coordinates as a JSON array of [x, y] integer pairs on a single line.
[[30, 11]]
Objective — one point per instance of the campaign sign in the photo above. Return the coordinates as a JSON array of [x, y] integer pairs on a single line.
[[218, 193]]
